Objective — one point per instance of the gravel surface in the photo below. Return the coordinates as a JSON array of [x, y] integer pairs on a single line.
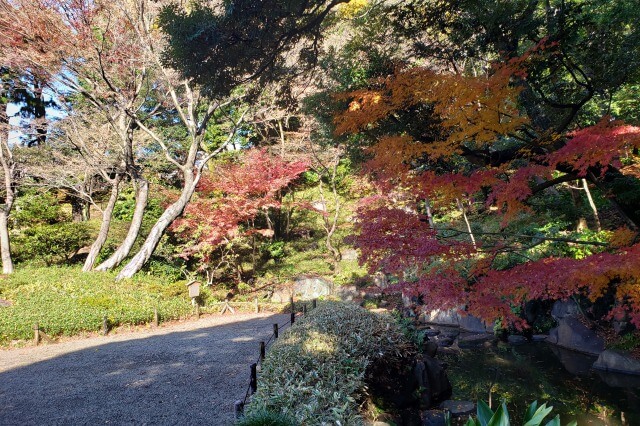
[[182, 374]]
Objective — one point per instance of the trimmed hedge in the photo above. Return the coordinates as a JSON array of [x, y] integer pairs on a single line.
[[66, 301], [315, 373]]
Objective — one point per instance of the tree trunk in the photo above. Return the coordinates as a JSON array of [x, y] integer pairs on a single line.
[[466, 221], [77, 209], [161, 225], [104, 226], [5, 246], [142, 194], [592, 204]]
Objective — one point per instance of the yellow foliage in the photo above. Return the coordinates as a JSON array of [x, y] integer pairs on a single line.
[[352, 9]]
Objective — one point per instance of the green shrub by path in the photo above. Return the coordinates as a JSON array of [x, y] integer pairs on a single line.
[[66, 301], [316, 371]]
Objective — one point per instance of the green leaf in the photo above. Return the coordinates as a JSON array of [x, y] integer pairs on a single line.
[[554, 422], [500, 417], [539, 415], [470, 422], [484, 413], [530, 411]]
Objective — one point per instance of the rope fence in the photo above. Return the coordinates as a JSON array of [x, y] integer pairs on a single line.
[[253, 368]]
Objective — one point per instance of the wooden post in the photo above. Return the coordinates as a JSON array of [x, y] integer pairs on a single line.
[[293, 307], [36, 333], [105, 325], [156, 318], [197, 311], [253, 384], [293, 317], [238, 409], [275, 330], [304, 309], [263, 351], [314, 303], [257, 307]]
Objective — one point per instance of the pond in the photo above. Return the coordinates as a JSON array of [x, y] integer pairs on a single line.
[[564, 379]]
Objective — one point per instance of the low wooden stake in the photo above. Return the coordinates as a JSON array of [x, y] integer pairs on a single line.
[[293, 307], [197, 311], [36, 333], [263, 351], [293, 317], [304, 309], [156, 318], [314, 303], [253, 384], [105, 325], [275, 330], [238, 409], [257, 307]]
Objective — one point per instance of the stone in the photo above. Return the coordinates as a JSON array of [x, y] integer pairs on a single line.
[[350, 254], [472, 324], [5, 303], [572, 334], [282, 295], [439, 385], [444, 341], [564, 308], [433, 418], [431, 332], [617, 361], [473, 340], [430, 349], [539, 337], [448, 317], [459, 408], [380, 280], [308, 287], [347, 292], [514, 339], [576, 363], [378, 423]]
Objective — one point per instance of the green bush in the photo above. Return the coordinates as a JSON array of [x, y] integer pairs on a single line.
[[266, 418], [37, 208], [66, 301], [533, 417], [51, 243], [327, 354]]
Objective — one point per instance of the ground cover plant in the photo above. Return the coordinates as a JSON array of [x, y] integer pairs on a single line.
[[65, 301], [316, 372]]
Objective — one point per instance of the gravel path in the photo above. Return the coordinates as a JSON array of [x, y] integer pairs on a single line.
[[182, 374]]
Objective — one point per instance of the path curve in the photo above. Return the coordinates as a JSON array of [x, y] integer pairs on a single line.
[[183, 374]]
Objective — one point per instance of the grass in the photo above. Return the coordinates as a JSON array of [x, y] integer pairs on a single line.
[[65, 301]]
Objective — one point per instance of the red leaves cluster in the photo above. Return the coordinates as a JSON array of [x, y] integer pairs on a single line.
[[232, 194], [598, 145]]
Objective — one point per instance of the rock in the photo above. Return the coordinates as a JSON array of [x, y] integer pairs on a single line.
[[539, 337], [381, 424], [431, 332], [350, 254], [308, 288], [572, 334], [347, 292], [473, 340], [450, 332], [444, 341], [516, 340], [617, 361], [380, 280], [621, 327], [619, 380], [564, 308], [282, 295], [459, 408], [439, 386], [5, 303], [448, 317], [472, 324], [430, 349], [433, 418]]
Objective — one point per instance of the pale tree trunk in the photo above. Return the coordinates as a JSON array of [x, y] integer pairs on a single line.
[[8, 169], [330, 225], [466, 220], [592, 204], [429, 212], [107, 214], [142, 194], [161, 225]]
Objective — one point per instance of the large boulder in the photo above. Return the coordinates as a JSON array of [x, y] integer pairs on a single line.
[[473, 324], [572, 334], [347, 293], [448, 317], [564, 308], [308, 287], [617, 361]]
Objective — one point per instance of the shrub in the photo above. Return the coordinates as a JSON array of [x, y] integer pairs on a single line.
[[533, 417], [66, 301], [51, 243], [327, 354]]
